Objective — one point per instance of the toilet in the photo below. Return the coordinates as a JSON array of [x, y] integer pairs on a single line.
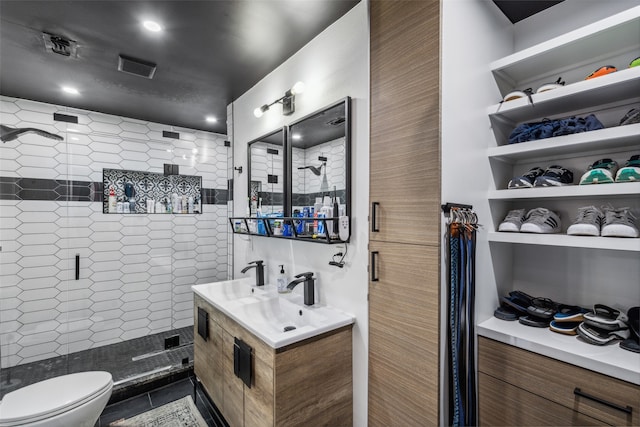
[[74, 400]]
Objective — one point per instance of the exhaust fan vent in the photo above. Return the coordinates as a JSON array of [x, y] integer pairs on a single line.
[[135, 66], [60, 45], [336, 122]]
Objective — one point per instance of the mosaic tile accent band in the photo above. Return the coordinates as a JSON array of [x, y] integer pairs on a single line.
[[149, 185]]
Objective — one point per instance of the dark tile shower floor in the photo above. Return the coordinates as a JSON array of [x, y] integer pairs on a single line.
[[132, 374]]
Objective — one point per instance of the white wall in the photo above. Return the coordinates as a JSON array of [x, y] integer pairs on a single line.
[[333, 65]]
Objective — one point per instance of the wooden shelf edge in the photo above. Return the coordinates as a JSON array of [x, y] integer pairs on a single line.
[[597, 190]]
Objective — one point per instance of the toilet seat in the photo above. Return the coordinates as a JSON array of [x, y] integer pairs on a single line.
[[51, 397]]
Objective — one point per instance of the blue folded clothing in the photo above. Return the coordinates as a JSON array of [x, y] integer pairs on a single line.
[[550, 128]]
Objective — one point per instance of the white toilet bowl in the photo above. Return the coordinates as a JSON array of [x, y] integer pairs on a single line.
[[74, 400]]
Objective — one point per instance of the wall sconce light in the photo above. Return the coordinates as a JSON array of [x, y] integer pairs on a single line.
[[287, 101]]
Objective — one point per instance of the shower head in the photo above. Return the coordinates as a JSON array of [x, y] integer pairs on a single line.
[[315, 170], [9, 134]]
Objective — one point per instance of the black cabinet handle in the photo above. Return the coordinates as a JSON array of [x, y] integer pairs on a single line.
[[374, 221], [374, 277], [625, 409], [77, 266]]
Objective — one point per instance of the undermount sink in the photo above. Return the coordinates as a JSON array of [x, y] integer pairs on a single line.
[[276, 319]]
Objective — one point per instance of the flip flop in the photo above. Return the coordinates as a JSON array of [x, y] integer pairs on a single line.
[[598, 336], [569, 313], [536, 322], [633, 343], [542, 308], [607, 318], [517, 300], [506, 313], [567, 328]]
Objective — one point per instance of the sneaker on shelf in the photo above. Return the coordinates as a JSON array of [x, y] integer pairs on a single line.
[[632, 117], [541, 221], [526, 180], [635, 62], [630, 172], [513, 221], [517, 94], [587, 223], [618, 223], [602, 171], [554, 176], [602, 71], [548, 86]]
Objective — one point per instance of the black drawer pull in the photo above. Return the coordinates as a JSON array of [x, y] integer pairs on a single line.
[[77, 266], [374, 276], [625, 409], [374, 220]]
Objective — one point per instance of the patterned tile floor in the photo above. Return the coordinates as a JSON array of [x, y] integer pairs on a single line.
[[131, 373]]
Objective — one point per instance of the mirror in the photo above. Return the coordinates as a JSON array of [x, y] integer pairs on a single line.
[[320, 157], [266, 160]]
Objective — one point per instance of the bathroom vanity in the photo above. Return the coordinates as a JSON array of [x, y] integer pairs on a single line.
[[268, 360]]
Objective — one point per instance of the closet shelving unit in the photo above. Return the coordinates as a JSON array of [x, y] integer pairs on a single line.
[[616, 41]]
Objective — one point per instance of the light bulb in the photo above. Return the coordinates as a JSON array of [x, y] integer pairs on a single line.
[[297, 88], [152, 26], [258, 112]]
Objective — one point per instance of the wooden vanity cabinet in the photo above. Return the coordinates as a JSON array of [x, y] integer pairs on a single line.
[[519, 387], [309, 383]]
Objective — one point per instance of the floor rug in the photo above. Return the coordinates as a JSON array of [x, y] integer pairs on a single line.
[[181, 413]]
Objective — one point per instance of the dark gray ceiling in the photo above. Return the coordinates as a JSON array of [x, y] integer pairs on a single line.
[[210, 52]]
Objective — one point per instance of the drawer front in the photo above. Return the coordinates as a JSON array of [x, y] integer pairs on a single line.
[[557, 381], [502, 404]]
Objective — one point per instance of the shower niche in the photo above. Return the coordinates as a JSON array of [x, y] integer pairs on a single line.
[[297, 169]]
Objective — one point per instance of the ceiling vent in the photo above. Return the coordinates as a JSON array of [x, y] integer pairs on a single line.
[[138, 67], [60, 45], [336, 122]]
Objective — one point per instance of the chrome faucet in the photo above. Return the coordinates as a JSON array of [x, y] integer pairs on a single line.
[[259, 271], [309, 287]]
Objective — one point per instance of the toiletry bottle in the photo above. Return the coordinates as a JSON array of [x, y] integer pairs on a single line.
[[113, 203], [282, 281], [190, 205], [158, 208]]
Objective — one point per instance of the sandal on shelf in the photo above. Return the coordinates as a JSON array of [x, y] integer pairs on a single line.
[[606, 318], [542, 308], [598, 336], [564, 327], [505, 312], [633, 343], [569, 313], [517, 300], [534, 321]]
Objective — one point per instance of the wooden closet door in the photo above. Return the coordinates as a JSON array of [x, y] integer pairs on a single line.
[[405, 121], [403, 335]]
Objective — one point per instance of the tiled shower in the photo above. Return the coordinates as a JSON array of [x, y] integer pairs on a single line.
[[134, 270]]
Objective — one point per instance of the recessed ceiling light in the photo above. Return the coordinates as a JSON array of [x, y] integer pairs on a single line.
[[70, 90], [296, 136], [152, 26], [211, 119]]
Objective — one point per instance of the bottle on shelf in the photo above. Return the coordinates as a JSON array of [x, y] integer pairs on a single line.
[[113, 202]]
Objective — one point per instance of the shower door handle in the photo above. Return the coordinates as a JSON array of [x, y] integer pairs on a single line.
[[77, 266], [374, 216]]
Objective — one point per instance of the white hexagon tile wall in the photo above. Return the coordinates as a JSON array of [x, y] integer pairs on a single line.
[[135, 270]]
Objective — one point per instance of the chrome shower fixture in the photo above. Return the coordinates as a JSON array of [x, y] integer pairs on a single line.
[[317, 170]]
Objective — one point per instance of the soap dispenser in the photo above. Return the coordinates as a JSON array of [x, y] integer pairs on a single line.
[[282, 281]]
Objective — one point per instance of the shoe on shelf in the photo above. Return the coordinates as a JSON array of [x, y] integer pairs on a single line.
[[606, 318], [598, 336], [635, 62], [541, 221], [633, 343], [513, 221], [618, 223], [630, 172], [632, 117], [526, 180], [517, 94], [549, 86], [569, 313], [587, 223], [567, 328], [554, 176], [601, 171], [602, 71], [542, 308]]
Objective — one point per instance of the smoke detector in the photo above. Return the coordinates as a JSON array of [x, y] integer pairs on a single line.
[[138, 67], [61, 45]]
